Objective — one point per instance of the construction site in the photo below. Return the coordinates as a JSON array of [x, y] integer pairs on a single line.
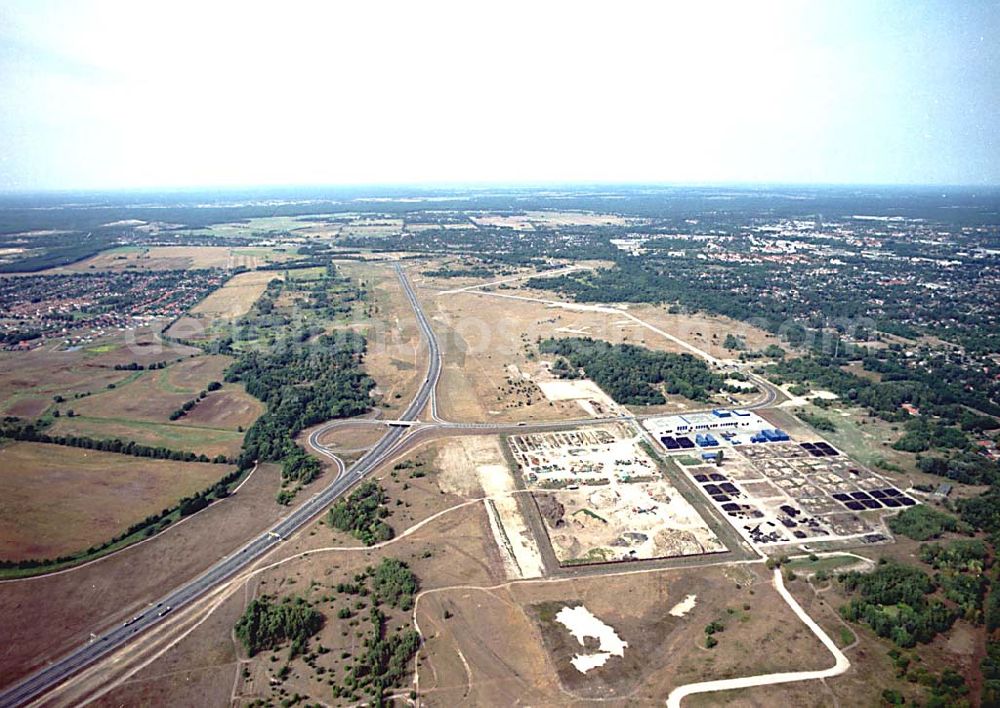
[[602, 498]]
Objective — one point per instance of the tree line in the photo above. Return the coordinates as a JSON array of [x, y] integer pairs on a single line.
[[27, 432]]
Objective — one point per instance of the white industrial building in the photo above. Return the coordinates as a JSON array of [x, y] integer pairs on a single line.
[[719, 420]]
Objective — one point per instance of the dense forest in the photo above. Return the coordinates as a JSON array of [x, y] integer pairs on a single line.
[[633, 375], [895, 601], [301, 385]]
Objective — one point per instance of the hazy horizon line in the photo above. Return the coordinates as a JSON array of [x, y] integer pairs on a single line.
[[472, 185]]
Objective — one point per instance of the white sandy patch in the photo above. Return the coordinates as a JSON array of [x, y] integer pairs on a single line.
[[684, 606], [569, 390], [516, 373], [475, 465], [739, 384], [517, 545], [825, 395], [796, 401], [581, 623]]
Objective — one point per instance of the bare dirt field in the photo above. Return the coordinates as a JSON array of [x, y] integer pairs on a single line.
[[45, 616], [530, 219], [476, 463], [231, 408], [56, 500], [575, 218], [603, 498]]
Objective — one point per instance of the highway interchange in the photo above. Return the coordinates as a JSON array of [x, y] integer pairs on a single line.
[[396, 439]]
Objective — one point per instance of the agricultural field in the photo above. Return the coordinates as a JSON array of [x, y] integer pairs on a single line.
[[222, 307], [236, 297], [97, 494], [39, 628], [372, 226]]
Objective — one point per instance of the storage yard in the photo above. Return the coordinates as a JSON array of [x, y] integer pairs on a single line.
[[774, 490], [602, 498]]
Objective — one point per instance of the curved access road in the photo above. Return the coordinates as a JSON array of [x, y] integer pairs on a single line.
[[102, 645], [841, 663]]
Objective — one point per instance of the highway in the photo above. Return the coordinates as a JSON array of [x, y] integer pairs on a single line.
[[102, 645], [393, 442]]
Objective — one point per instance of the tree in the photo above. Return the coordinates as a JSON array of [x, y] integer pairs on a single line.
[[266, 624]]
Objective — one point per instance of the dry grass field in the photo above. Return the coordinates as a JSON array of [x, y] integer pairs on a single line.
[[139, 409], [98, 495], [29, 380], [871, 668], [352, 437], [236, 297], [153, 395], [175, 436], [396, 357], [177, 258], [43, 617], [513, 648], [452, 548], [491, 369]]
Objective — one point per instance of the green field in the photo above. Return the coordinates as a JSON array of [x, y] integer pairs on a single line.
[[864, 441], [175, 436], [828, 564]]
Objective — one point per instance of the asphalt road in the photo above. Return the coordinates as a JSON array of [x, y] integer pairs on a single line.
[[393, 442], [61, 669]]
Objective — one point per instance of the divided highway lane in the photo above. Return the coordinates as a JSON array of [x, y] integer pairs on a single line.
[[61, 669]]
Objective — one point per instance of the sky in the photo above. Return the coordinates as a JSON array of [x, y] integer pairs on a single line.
[[111, 95]]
